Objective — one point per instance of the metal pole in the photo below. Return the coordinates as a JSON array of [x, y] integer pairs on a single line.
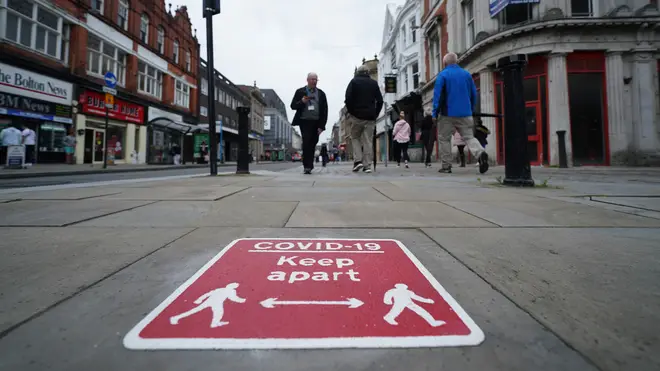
[[243, 163], [373, 148], [517, 168], [105, 139], [210, 72]]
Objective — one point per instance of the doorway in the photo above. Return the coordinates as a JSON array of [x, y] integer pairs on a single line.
[[94, 146], [587, 118], [533, 125]]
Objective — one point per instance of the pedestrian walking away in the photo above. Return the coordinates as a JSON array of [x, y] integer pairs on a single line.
[[324, 154], [364, 102], [429, 131], [401, 134], [454, 99], [311, 106]]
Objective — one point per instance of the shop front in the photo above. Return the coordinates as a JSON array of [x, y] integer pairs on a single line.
[[38, 102], [166, 134], [125, 136]]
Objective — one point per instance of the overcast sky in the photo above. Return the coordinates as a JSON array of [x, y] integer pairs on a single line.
[[277, 42]]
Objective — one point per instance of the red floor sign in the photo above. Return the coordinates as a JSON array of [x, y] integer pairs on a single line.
[[308, 293]]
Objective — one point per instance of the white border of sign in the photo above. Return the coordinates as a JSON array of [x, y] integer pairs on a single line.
[[476, 336]]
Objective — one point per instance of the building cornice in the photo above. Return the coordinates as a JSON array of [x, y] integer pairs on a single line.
[[554, 24]]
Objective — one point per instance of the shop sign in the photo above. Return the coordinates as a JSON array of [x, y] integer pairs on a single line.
[[497, 6], [155, 113], [15, 157], [94, 103], [390, 84], [16, 105], [25, 83]]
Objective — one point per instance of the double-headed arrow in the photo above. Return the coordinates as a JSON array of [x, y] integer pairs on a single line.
[[272, 302]]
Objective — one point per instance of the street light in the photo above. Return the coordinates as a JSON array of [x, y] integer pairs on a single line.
[[211, 8]]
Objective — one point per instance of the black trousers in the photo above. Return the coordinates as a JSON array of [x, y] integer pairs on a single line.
[[401, 148], [310, 137], [428, 147]]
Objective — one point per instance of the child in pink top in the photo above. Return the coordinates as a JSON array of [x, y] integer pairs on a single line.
[[401, 135]]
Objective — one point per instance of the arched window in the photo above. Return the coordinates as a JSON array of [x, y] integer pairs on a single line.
[[161, 40], [144, 29]]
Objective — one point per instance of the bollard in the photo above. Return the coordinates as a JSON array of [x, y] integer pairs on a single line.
[[563, 159], [516, 167], [243, 163]]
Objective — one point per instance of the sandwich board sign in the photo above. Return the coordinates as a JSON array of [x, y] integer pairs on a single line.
[[295, 293]]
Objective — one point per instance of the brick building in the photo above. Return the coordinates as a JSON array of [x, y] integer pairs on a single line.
[[54, 56]]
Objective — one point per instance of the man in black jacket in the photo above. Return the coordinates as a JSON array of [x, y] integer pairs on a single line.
[[311, 108], [363, 103]]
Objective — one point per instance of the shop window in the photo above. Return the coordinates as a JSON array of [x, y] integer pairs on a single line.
[[468, 12], [150, 80], [33, 26], [161, 40], [182, 94], [582, 8], [51, 137], [144, 29], [103, 57], [514, 14], [175, 52], [116, 140], [96, 6], [415, 73], [122, 14]]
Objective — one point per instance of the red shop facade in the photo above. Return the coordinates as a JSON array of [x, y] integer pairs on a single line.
[[126, 135]]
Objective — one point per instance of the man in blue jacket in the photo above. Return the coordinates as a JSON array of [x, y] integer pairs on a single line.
[[454, 99]]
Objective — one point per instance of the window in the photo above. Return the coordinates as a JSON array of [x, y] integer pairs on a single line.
[[203, 111], [415, 73], [32, 26], [404, 40], [122, 14], [181, 94], [514, 14], [393, 58], [103, 57], [160, 43], [175, 52], [468, 11], [144, 29], [582, 8], [150, 80], [205, 87], [405, 79], [96, 6], [434, 52], [413, 30], [188, 61]]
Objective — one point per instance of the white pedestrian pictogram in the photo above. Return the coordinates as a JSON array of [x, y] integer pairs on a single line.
[[214, 299], [401, 298]]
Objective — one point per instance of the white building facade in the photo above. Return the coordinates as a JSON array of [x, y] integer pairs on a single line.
[[592, 72], [401, 56]]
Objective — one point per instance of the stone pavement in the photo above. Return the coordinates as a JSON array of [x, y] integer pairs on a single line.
[[563, 276]]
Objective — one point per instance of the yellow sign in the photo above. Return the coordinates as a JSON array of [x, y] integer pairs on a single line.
[[109, 99]]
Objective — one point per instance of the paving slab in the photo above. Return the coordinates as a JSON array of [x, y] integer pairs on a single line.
[[440, 183], [41, 266], [391, 214], [550, 213], [358, 182], [596, 288], [224, 213], [334, 194], [66, 194], [285, 182], [169, 193], [86, 332], [644, 203], [440, 193], [48, 213]]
